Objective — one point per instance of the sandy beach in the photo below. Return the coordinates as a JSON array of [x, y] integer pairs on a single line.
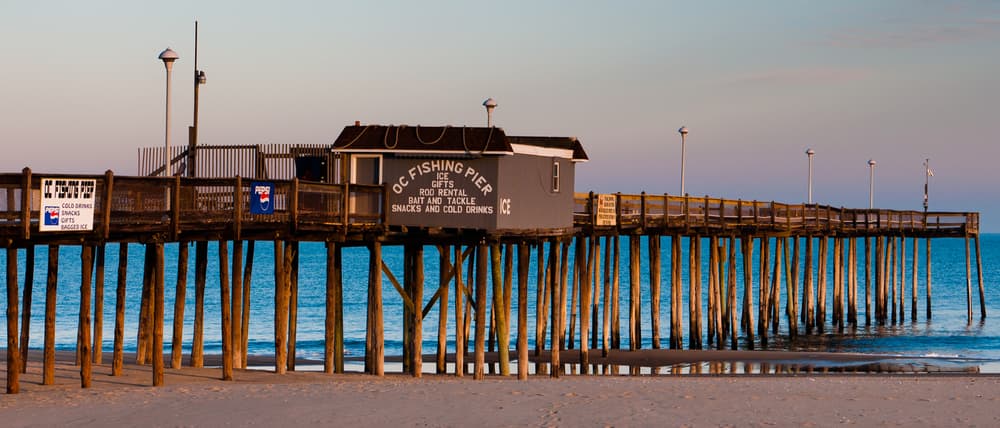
[[196, 397]]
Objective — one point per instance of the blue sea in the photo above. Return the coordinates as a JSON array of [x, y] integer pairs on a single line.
[[947, 335]]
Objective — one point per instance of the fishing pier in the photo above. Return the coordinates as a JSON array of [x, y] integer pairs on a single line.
[[487, 203]]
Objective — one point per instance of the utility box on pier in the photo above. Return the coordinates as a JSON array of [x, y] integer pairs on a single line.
[[464, 178]]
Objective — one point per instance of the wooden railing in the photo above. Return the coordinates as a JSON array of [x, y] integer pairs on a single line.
[[680, 212], [178, 205]]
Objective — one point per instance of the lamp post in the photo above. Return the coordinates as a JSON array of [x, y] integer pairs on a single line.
[[490, 104], [871, 183], [168, 56], [810, 153], [684, 132], [927, 182]]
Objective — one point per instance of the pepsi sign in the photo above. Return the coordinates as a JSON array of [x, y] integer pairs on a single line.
[[261, 197]]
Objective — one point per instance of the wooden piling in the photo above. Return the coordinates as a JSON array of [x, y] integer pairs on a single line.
[[712, 289], [179, 297], [523, 261], [13, 354], [144, 332], [117, 357], [763, 289], [616, 337], [444, 271], [158, 301], [585, 310], [554, 289], [226, 315], [98, 335], [902, 277], [542, 297], [330, 320], [694, 292], [927, 272], [634, 295], [979, 274], [734, 331], [200, 277], [747, 243], [913, 278], [460, 346], [808, 300], [52, 281], [481, 310], [606, 313], [292, 284], [245, 322], [676, 335], [29, 282], [563, 276], [654, 288], [281, 310], [375, 343], [792, 286], [968, 280], [780, 252], [868, 282], [579, 255], [236, 305], [417, 297]]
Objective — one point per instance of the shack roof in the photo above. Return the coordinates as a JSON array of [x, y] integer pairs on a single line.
[[451, 141]]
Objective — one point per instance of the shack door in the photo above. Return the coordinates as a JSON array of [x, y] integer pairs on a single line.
[[366, 169]]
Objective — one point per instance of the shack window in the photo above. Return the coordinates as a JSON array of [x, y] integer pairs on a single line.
[[555, 176]]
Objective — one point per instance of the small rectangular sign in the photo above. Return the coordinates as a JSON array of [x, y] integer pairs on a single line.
[[67, 204], [606, 210], [261, 197]]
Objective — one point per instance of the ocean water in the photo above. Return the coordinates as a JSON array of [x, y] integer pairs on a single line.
[[948, 334]]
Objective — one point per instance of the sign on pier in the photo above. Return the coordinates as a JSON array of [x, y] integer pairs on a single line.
[[67, 204]]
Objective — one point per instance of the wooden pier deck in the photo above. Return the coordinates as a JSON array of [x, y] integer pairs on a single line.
[[155, 210]]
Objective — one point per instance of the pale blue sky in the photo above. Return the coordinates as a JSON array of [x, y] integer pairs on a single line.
[[756, 82]]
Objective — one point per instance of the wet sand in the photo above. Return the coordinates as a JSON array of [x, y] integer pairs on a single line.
[[196, 397]]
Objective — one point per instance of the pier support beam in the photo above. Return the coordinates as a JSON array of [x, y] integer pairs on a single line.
[[200, 277], [49, 357], [482, 308], [29, 283], [374, 343], [158, 301], [180, 292], [523, 261], [117, 357], [13, 354]]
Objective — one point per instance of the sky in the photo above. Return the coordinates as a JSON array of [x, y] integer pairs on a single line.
[[756, 83]]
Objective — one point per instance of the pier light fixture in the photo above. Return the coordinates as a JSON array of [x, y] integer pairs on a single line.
[[490, 105], [168, 56], [810, 153], [684, 132], [871, 183]]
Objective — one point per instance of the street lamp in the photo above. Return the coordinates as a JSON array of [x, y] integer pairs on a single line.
[[168, 56], [490, 104], [684, 132], [199, 79], [927, 181], [871, 183], [810, 153]]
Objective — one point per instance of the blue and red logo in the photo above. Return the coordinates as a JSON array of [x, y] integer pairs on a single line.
[[261, 197], [51, 215]]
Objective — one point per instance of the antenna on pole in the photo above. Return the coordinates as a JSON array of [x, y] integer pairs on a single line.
[[199, 79]]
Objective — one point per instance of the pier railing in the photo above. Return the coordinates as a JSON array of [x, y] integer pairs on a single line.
[[621, 211], [178, 206]]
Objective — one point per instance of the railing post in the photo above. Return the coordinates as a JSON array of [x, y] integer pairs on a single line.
[[774, 221], [109, 179], [687, 211], [642, 210], [739, 211], [294, 208], [345, 207], [706, 210], [755, 214], [592, 209], [238, 209], [26, 204], [618, 210], [175, 209]]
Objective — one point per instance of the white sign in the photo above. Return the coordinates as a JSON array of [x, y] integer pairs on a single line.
[[67, 204], [606, 210]]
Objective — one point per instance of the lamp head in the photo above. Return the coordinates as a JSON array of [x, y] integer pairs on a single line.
[[810, 152], [200, 77], [871, 163], [168, 56], [683, 130]]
